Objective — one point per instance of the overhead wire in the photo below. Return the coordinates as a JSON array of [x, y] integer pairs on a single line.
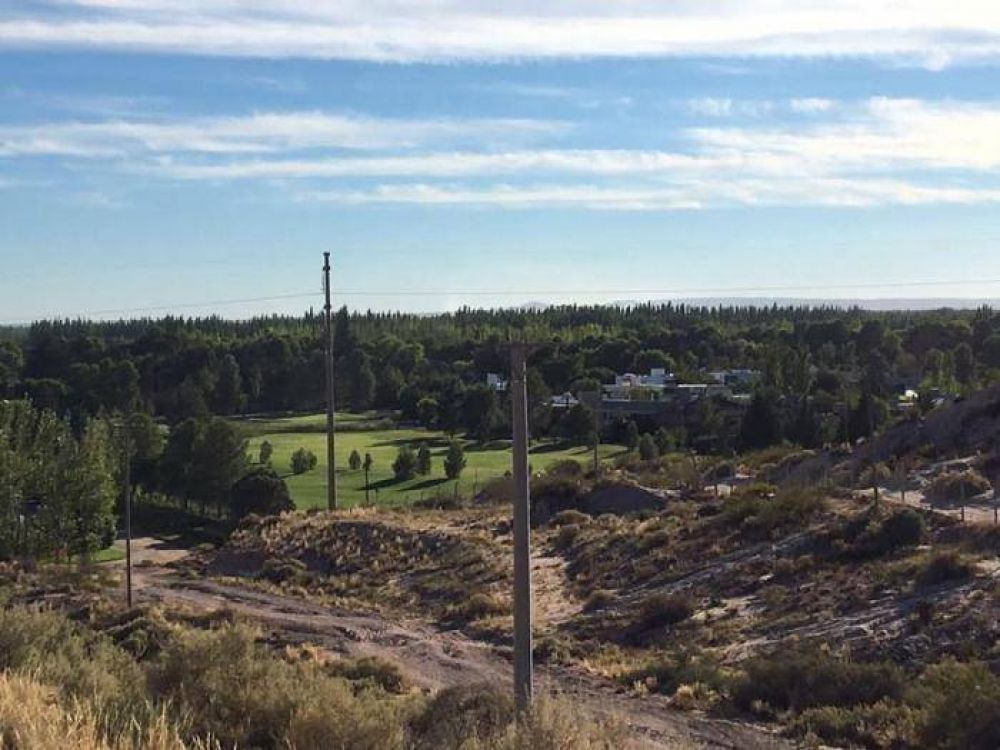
[[528, 293]]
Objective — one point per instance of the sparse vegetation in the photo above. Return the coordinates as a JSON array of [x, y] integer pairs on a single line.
[[954, 487]]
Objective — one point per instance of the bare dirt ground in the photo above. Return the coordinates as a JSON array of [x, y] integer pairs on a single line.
[[433, 658]]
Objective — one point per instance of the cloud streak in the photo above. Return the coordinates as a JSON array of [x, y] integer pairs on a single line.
[[927, 32], [273, 132], [860, 154]]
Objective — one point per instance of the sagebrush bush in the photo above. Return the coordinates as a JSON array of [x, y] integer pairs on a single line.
[[569, 517], [881, 726], [599, 599], [962, 705], [32, 717], [84, 665], [662, 610], [235, 691], [668, 672], [904, 528], [566, 537], [952, 487], [479, 606], [459, 716], [759, 516], [944, 567], [808, 679], [373, 670]]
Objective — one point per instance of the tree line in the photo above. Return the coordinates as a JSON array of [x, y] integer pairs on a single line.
[[828, 373]]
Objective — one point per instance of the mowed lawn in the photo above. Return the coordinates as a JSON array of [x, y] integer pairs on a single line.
[[483, 461]]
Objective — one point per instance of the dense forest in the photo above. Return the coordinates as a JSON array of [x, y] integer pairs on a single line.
[[827, 373]]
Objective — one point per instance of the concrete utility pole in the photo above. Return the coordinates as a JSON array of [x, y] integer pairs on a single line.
[[597, 433], [522, 544], [127, 492], [331, 469]]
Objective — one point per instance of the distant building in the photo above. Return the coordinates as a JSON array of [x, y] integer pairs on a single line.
[[565, 401], [496, 382], [737, 379], [659, 398]]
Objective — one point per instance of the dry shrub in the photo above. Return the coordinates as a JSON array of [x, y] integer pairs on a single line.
[[234, 690], [482, 718], [952, 487], [662, 610], [83, 665], [373, 671], [962, 704], [553, 724], [566, 537], [32, 718], [599, 599], [944, 567], [882, 725], [480, 606], [569, 517], [810, 679], [759, 516], [463, 717]]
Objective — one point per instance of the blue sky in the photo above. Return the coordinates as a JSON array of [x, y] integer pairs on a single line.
[[164, 155]]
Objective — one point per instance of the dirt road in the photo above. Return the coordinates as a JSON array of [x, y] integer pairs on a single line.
[[431, 658]]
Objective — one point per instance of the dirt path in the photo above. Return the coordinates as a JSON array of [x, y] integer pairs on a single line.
[[430, 657]]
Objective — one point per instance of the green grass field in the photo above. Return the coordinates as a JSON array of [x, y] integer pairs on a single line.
[[483, 461]]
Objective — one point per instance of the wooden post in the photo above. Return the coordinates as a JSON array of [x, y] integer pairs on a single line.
[[127, 492], [522, 545]]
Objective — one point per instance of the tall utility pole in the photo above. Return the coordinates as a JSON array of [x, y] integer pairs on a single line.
[[331, 469], [597, 433], [127, 492], [522, 544]]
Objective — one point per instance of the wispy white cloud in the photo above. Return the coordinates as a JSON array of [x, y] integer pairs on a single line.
[[718, 192], [882, 135], [926, 31], [725, 107], [811, 105], [868, 153], [258, 133]]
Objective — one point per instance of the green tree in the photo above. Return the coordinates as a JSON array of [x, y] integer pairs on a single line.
[[220, 460], [260, 491], [228, 396], [90, 491], [965, 365], [577, 424], [480, 412], [761, 426], [427, 411], [147, 440], [423, 466], [360, 390], [454, 460], [177, 466], [11, 364], [354, 460], [303, 460], [648, 449], [631, 435], [266, 451], [665, 441], [405, 465]]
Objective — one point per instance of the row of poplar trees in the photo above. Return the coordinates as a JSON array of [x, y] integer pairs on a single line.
[[58, 488]]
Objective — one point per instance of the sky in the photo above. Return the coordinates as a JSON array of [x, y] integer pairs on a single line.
[[198, 156]]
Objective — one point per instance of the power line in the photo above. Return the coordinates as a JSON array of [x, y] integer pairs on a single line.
[[621, 291]]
